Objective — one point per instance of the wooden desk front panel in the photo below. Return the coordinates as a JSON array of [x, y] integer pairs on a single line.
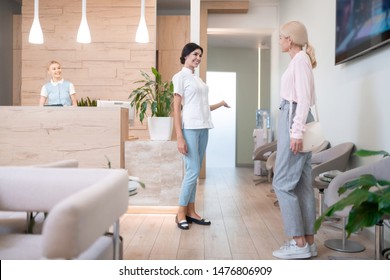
[[34, 135]]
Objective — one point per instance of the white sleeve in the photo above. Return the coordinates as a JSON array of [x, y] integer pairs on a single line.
[[71, 89], [43, 91], [178, 87]]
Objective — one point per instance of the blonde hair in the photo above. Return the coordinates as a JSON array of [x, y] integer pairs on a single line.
[[298, 35], [53, 62]]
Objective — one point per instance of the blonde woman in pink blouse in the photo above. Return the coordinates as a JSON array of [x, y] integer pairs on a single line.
[[292, 180]]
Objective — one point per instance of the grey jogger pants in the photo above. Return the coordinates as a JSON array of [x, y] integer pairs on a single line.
[[293, 181]]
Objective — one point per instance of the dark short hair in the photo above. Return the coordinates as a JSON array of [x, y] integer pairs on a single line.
[[189, 48]]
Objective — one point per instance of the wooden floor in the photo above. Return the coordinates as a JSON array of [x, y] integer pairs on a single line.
[[245, 225]]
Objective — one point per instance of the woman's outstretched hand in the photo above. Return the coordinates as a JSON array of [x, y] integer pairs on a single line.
[[224, 104], [219, 105]]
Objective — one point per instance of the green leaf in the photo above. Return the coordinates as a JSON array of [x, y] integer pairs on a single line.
[[365, 181], [171, 87], [157, 94], [142, 184], [384, 201], [355, 198], [365, 215], [87, 102], [318, 222], [145, 75], [383, 183], [367, 153], [157, 75], [154, 108]]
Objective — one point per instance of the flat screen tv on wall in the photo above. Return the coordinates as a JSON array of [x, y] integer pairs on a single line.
[[361, 26]]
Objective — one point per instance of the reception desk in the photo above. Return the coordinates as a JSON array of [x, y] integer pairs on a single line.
[[33, 135]]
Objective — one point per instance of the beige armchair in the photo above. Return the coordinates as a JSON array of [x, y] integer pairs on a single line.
[[82, 206]]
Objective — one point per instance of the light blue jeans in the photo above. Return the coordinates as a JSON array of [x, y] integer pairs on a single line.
[[293, 181], [196, 140]]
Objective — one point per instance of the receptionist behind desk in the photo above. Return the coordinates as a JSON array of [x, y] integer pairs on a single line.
[[58, 91]]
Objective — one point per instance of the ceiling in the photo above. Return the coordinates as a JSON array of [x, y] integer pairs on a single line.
[[221, 37], [239, 38], [216, 37]]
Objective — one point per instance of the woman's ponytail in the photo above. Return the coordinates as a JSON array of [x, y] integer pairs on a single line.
[[311, 54]]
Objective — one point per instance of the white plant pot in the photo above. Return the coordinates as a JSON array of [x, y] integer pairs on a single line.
[[160, 128]]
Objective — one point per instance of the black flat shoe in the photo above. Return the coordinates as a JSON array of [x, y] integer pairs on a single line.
[[183, 224], [202, 222]]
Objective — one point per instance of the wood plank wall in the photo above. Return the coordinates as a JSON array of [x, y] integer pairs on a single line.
[[173, 32], [104, 69]]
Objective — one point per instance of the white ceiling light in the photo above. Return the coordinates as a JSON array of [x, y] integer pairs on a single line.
[[142, 35], [36, 35], [84, 35]]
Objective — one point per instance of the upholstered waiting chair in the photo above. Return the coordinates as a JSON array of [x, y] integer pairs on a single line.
[[334, 158], [263, 153], [321, 147], [380, 170], [18, 222], [82, 205]]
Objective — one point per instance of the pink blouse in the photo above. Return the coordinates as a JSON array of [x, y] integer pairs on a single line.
[[298, 84]]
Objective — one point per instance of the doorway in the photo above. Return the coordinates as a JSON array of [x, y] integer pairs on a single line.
[[221, 148]]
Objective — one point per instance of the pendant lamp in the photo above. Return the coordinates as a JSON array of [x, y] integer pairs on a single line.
[[84, 35], [142, 35], [36, 35]]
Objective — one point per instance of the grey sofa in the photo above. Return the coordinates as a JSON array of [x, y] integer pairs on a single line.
[[82, 205]]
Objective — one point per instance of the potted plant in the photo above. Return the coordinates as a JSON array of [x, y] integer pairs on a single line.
[[368, 197], [87, 102], [154, 96]]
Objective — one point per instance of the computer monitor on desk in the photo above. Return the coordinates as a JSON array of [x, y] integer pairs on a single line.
[[117, 103]]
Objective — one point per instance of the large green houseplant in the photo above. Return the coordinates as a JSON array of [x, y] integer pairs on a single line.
[[155, 94], [368, 196]]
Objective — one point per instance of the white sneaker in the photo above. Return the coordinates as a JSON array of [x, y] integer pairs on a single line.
[[313, 250], [292, 251]]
